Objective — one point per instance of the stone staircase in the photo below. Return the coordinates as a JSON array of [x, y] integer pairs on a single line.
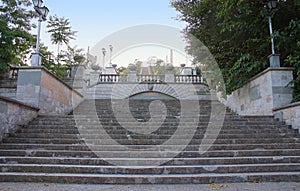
[[99, 143], [8, 88]]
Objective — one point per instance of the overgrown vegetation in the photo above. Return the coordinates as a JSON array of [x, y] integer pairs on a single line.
[[236, 33]]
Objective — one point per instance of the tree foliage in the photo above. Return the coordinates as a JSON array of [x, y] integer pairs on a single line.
[[236, 33], [15, 37], [73, 56], [60, 31]]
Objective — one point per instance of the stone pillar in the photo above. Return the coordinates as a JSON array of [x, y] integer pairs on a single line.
[[132, 77], [79, 78], [94, 77], [268, 90], [29, 85], [38, 87], [281, 90], [169, 78]]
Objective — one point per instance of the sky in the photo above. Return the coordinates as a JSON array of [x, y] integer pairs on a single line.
[[96, 19]]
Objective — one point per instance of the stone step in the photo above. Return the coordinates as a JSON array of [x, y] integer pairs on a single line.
[[72, 129], [174, 161], [153, 170], [74, 149], [164, 135], [104, 140], [190, 147], [204, 178], [143, 122], [151, 154]]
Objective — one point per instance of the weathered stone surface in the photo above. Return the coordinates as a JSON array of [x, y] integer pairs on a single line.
[[54, 149], [46, 91], [289, 114], [263, 93], [14, 115]]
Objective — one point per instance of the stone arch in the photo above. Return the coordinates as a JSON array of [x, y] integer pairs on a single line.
[[151, 95]]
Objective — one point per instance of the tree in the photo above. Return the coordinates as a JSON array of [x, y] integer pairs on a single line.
[[61, 32], [236, 33], [15, 37], [47, 57], [73, 56]]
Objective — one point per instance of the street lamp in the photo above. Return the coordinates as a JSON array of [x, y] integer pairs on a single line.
[[104, 53], [111, 49], [42, 13], [273, 58]]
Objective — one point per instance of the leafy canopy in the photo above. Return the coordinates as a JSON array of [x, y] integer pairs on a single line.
[[236, 33], [15, 37]]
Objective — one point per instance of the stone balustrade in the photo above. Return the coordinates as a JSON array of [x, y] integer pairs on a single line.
[[132, 77]]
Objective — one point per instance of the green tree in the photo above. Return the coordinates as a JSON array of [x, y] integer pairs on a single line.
[[236, 33], [73, 56], [61, 32], [48, 58], [15, 37]]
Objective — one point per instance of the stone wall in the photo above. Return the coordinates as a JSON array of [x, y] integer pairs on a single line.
[[125, 90], [263, 93], [289, 114], [38, 87], [13, 115]]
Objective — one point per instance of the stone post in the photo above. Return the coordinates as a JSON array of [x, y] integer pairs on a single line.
[[38, 87], [94, 77], [268, 90], [79, 78], [169, 76], [132, 77]]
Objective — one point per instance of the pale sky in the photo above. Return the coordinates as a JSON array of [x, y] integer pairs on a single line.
[[96, 19]]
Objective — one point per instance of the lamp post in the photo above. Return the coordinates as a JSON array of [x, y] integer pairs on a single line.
[[111, 49], [104, 53], [42, 13], [273, 58]]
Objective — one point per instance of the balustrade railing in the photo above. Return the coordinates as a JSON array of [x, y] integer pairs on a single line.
[[112, 78], [150, 78], [188, 79], [115, 78]]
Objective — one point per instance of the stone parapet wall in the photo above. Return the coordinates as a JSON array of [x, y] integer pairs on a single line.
[[263, 93], [13, 115], [289, 114], [126, 90], [38, 87]]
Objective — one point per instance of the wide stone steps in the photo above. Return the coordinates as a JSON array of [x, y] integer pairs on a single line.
[[83, 147], [150, 179], [149, 154], [162, 135], [165, 169], [144, 141], [174, 161], [241, 131], [78, 148]]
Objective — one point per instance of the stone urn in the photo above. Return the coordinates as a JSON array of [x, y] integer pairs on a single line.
[[95, 67]]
